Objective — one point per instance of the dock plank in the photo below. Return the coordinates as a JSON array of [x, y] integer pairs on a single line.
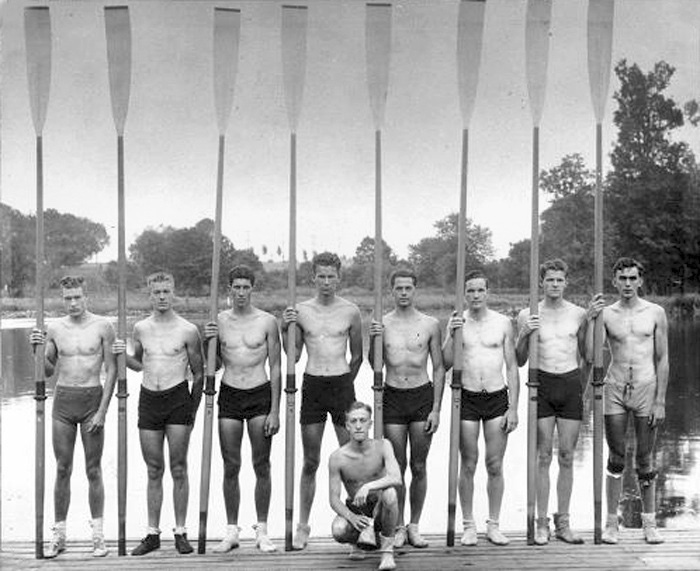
[[680, 551]]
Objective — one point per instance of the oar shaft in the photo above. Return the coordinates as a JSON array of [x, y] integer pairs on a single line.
[[291, 387], [456, 386], [209, 379], [40, 396], [533, 382], [378, 363], [122, 392], [598, 373]]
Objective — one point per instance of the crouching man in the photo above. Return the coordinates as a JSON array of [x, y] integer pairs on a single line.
[[370, 473]]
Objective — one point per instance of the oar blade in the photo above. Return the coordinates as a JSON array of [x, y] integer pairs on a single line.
[[227, 31], [470, 31], [294, 24], [600, 34], [118, 34], [378, 50], [537, 24], [37, 36]]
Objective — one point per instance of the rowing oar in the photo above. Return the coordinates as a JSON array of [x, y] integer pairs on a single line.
[[470, 31], [378, 50], [37, 35], [600, 26], [118, 34], [537, 25], [294, 20], [227, 26]]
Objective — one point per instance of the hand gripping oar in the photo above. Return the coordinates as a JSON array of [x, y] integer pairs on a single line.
[[378, 50], [538, 20], [37, 35], [118, 35], [227, 26], [470, 31], [600, 27], [294, 20]]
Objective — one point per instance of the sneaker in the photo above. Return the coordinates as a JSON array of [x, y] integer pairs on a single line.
[[414, 536], [368, 538], [651, 532], [149, 543], [469, 536], [400, 536], [57, 545], [301, 537], [229, 542], [182, 545], [262, 540], [495, 535], [611, 531], [542, 531], [99, 549]]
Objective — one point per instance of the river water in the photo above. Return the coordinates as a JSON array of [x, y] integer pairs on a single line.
[[677, 457]]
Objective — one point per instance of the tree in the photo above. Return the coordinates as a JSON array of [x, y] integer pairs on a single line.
[[435, 259], [361, 273], [69, 241], [187, 254], [652, 189]]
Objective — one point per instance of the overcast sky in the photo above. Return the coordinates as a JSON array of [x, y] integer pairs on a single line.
[[171, 134]]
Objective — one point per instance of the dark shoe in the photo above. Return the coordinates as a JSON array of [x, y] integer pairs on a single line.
[[182, 545], [149, 543]]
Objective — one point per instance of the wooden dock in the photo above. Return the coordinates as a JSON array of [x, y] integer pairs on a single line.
[[680, 551]]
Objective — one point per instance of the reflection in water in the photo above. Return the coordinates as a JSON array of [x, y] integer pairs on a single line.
[[677, 457]]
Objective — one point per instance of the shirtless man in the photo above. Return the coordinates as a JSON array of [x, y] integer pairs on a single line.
[[487, 341], [561, 348], [327, 324], [77, 346], [411, 402], [369, 471], [248, 338], [165, 346], [636, 382]]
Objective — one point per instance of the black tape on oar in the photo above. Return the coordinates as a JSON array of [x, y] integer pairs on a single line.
[[598, 377], [378, 381]]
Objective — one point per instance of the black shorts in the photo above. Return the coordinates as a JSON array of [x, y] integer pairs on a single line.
[[482, 405], [403, 406], [75, 405], [171, 406], [560, 395], [323, 395], [244, 404], [367, 509]]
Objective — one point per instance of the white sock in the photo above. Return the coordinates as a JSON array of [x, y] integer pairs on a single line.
[[153, 530], [97, 526], [180, 530], [60, 527]]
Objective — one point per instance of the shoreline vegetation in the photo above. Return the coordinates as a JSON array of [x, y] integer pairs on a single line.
[[434, 301]]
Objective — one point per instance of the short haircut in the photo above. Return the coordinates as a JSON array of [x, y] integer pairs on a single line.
[[624, 263], [403, 273], [160, 277], [325, 259], [476, 275], [72, 282], [358, 405], [555, 265], [241, 272]]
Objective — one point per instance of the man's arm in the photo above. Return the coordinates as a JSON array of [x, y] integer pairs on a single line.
[[510, 420], [289, 319], [448, 345], [581, 335], [433, 421], [50, 353], [525, 328], [658, 412], [594, 308], [335, 485], [110, 363], [272, 422], [193, 345], [355, 339]]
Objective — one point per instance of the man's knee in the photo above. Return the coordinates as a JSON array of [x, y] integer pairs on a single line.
[[418, 469], [566, 458], [544, 457], [64, 470], [261, 467], [179, 471], [311, 463], [342, 531], [615, 468], [232, 467], [94, 473], [389, 497], [494, 466], [645, 477]]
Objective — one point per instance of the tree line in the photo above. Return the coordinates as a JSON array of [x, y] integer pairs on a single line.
[[652, 212]]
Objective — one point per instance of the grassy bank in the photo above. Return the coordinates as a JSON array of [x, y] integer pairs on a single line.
[[434, 301]]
